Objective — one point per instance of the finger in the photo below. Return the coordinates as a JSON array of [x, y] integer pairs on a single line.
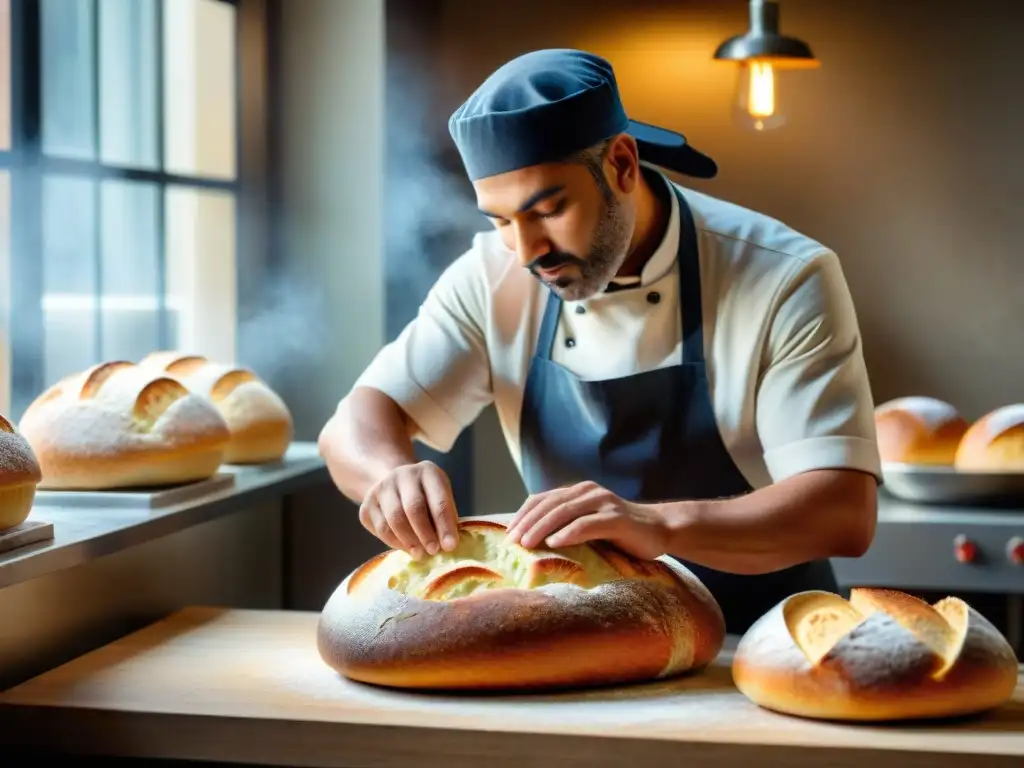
[[588, 527], [442, 508], [373, 520], [515, 526], [417, 511], [394, 513], [540, 505], [556, 517]]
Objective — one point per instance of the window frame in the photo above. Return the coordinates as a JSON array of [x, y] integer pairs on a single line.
[[27, 166]]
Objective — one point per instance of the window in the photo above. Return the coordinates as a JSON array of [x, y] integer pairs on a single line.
[[119, 147]]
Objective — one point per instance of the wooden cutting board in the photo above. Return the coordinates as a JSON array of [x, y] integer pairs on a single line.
[[237, 685]]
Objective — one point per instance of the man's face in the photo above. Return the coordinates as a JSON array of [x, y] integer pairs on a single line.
[[569, 229]]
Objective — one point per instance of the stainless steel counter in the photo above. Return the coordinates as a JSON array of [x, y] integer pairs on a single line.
[[935, 547], [84, 533]]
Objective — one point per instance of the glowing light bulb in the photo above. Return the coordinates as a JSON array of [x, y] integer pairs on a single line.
[[757, 96], [761, 52]]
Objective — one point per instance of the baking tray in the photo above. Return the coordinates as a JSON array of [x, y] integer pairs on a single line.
[[135, 498], [924, 484]]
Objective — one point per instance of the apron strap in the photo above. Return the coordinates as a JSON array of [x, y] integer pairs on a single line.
[[549, 325], [688, 258]]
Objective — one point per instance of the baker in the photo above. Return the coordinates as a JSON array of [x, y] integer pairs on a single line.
[[672, 372]]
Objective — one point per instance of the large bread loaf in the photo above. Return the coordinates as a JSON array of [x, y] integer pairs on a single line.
[[117, 425], [19, 475], [494, 615], [884, 655], [259, 420]]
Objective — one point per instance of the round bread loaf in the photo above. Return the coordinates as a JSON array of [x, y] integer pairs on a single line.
[[918, 430], [884, 655], [117, 425], [494, 615], [19, 475], [259, 420], [994, 443]]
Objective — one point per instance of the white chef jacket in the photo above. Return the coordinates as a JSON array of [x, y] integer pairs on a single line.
[[785, 367]]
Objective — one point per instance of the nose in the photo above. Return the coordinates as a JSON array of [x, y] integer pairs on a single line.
[[529, 244]]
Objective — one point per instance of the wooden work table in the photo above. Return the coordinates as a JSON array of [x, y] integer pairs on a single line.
[[249, 687]]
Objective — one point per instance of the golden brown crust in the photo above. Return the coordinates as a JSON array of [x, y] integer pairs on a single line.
[[260, 421], [19, 475], [994, 443], [492, 615], [884, 655], [918, 430], [116, 425]]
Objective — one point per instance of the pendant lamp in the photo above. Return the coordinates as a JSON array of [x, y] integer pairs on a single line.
[[761, 53]]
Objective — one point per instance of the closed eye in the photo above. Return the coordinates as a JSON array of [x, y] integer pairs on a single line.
[[556, 211]]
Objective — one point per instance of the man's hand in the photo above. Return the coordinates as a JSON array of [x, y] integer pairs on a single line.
[[585, 512], [412, 509]]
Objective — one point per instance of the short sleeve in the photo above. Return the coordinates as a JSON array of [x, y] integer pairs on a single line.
[[437, 369], [814, 405]]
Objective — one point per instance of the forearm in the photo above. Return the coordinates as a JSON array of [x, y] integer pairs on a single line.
[[368, 437], [825, 513]]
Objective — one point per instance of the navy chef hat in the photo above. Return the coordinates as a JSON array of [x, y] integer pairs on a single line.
[[545, 105]]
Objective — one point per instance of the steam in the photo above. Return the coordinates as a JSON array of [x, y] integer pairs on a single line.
[[276, 333], [431, 212]]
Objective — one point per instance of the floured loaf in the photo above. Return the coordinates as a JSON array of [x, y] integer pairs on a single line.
[[19, 475], [918, 430], [259, 420], [994, 443], [494, 615], [117, 425], [884, 655]]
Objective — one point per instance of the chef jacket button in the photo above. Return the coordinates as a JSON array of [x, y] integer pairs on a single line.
[[570, 342], [580, 309], [653, 297]]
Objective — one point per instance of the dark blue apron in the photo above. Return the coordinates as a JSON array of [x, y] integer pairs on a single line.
[[649, 437]]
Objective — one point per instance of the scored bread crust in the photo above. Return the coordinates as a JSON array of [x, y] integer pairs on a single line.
[[918, 430], [994, 443], [117, 425], [19, 475], [884, 655], [260, 421], [493, 615]]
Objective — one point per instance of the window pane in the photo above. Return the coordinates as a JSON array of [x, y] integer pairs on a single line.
[[5, 74], [69, 276], [201, 278], [128, 94], [199, 88], [5, 294], [130, 284], [67, 68]]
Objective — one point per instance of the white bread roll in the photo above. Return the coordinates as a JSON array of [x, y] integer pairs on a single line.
[[116, 425], [260, 422], [918, 430], [494, 615], [884, 655], [994, 443], [19, 475]]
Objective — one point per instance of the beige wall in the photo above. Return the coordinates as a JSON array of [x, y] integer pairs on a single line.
[[903, 153], [331, 321]]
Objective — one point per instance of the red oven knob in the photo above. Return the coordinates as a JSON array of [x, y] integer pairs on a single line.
[[964, 549], [1015, 550]]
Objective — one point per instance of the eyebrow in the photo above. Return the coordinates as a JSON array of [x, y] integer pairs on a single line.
[[531, 201]]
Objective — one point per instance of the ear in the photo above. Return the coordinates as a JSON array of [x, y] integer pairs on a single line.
[[624, 158]]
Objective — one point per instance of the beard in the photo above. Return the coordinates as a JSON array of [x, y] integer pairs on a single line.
[[604, 259]]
